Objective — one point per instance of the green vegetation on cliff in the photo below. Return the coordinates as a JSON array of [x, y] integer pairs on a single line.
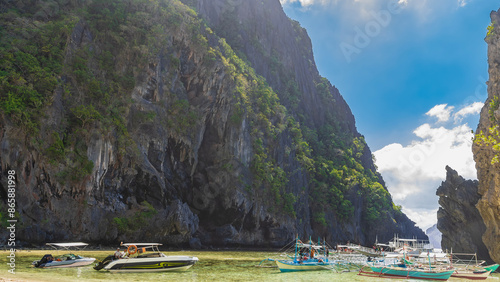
[[490, 139], [490, 30], [31, 61], [331, 152]]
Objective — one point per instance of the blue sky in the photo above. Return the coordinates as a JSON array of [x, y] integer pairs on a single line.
[[413, 73]]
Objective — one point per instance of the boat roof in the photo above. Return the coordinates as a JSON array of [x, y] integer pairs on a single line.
[[348, 246], [141, 244], [432, 254], [67, 245]]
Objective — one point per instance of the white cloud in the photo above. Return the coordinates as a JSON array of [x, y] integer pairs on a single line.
[[425, 218], [414, 172], [462, 3], [442, 112], [472, 109], [303, 3], [306, 3], [356, 7], [359, 10]]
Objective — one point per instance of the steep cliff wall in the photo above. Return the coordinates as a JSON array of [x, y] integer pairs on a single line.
[[485, 148], [459, 220], [280, 50], [150, 126]]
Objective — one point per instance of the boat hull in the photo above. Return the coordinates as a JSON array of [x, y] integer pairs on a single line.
[[72, 263], [172, 263], [472, 275], [492, 267], [291, 266], [409, 273]]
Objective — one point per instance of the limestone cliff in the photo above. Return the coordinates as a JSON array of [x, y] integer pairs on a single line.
[[139, 120], [485, 148], [459, 220]]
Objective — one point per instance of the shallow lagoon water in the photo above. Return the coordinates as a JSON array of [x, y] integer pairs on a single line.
[[213, 266]]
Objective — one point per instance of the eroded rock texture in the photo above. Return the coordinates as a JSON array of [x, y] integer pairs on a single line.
[[485, 146], [459, 220]]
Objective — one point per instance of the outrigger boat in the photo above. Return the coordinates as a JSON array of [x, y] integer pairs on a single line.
[[471, 274], [307, 257], [471, 269], [145, 257], [407, 272], [65, 260]]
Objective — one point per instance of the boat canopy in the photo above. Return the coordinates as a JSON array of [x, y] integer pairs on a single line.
[[349, 246], [140, 244], [317, 247], [383, 245], [432, 255], [67, 245]]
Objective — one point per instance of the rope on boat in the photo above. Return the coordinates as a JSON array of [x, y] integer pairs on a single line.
[[287, 246]]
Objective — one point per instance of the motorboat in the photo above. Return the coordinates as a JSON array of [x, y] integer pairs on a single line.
[[65, 260], [144, 257]]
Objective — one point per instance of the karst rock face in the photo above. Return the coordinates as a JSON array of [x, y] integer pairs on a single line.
[[179, 125], [459, 220], [485, 149]]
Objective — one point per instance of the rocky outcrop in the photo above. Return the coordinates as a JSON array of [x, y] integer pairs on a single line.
[[459, 220], [485, 148]]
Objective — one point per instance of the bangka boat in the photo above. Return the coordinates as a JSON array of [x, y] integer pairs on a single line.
[[467, 266], [471, 275], [308, 257], [307, 265], [145, 257], [407, 272], [65, 260]]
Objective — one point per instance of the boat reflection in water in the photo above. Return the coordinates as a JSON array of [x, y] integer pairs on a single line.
[[144, 257]]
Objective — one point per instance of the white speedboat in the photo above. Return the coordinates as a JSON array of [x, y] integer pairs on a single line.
[[145, 257], [65, 260]]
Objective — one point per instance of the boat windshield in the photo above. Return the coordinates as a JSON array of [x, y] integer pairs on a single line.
[[68, 257]]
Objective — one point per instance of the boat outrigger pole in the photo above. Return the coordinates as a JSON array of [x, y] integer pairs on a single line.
[[296, 245]]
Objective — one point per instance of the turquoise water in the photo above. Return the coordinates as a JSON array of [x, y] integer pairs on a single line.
[[213, 266]]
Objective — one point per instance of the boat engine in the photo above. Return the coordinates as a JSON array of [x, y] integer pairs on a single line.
[[102, 264]]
